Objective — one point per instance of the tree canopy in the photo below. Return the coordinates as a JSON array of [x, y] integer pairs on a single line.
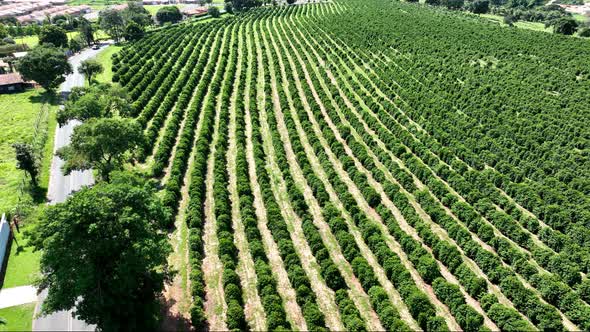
[[97, 101], [479, 6], [245, 4], [26, 160], [213, 11], [3, 31], [101, 144], [136, 13], [46, 65], [112, 22], [565, 26], [105, 254], [86, 31], [133, 31], [89, 68], [53, 34], [168, 14]]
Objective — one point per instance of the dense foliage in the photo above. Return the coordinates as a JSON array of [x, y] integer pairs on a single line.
[[46, 65], [372, 165], [104, 254]]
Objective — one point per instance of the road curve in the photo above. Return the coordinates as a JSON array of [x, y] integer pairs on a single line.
[[60, 187]]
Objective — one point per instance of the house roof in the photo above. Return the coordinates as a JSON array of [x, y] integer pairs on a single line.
[[11, 78]]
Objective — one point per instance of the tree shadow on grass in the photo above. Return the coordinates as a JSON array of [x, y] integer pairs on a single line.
[[45, 97], [171, 319], [38, 194]]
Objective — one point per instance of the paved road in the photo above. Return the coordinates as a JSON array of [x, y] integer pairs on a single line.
[[60, 186]]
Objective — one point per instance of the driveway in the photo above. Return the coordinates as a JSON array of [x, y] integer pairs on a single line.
[[60, 187]]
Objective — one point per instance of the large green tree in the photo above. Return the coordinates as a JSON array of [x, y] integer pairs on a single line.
[[26, 160], [565, 26], [168, 14], [135, 12], [83, 108], [53, 34], [112, 22], [96, 101], [101, 144], [133, 31], [45, 65], [479, 6], [90, 68], [245, 4], [105, 254], [86, 31], [3, 31]]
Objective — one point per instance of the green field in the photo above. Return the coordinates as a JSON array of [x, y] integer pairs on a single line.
[[330, 154], [18, 112], [535, 26], [153, 9], [18, 318], [23, 264], [32, 41], [105, 58]]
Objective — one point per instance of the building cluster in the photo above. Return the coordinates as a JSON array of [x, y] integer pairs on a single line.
[[193, 11], [27, 12], [578, 9]]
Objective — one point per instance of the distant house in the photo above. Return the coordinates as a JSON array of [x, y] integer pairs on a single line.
[[13, 82], [194, 11]]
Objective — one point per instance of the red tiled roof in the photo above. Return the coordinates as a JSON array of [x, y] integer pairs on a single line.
[[11, 78]]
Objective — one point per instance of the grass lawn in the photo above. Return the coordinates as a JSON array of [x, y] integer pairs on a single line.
[[104, 57], [18, 112], [18, 318], [153, 9], [536, 26], [32, 41], [23, 264], [580, 18]]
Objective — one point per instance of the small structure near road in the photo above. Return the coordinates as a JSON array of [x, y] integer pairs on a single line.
[[14, 82], [194, 11]]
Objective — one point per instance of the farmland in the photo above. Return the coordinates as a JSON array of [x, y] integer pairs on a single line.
[[362, 164]]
